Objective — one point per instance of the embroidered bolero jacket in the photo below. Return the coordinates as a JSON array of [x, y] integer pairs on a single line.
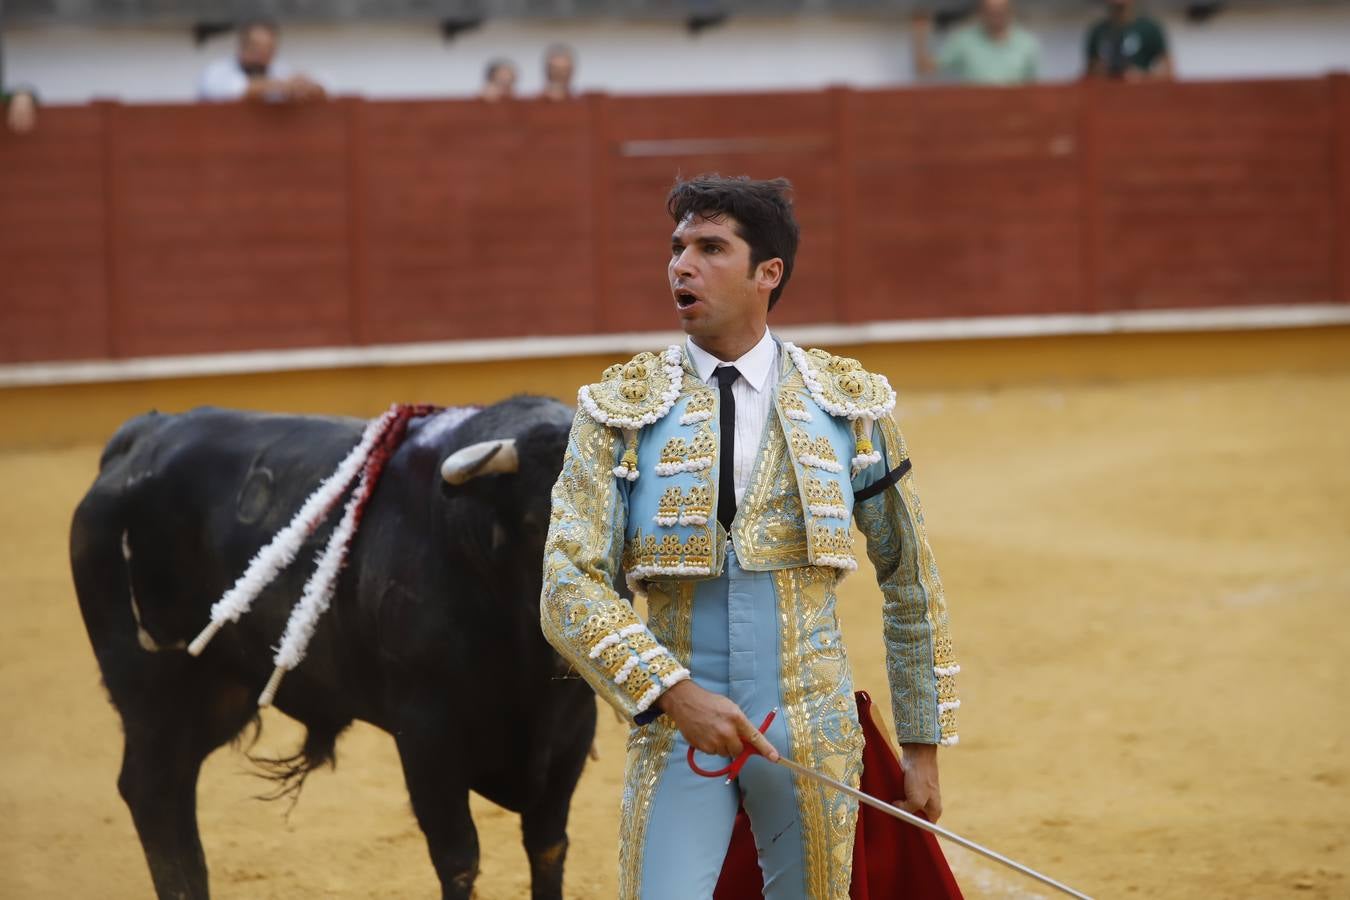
[[638, 492]]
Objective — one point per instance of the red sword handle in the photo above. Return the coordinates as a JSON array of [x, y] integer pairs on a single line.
[[734, 769]]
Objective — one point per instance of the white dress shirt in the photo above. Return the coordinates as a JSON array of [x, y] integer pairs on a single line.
[[754, 396]]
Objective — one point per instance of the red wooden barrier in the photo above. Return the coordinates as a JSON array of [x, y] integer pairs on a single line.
[[228, 227], [477, 220], [651, 139], [144, 230], [1216, 194], [967, 203], [53, 256], [1340, 174]]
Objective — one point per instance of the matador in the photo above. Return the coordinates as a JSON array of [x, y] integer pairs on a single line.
[[720, 477]]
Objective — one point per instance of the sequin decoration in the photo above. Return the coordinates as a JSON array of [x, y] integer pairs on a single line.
[[822, 720], [670, 617], [920, 662], [581, 614]]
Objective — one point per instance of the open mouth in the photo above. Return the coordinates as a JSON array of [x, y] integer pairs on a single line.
[[685, 299]]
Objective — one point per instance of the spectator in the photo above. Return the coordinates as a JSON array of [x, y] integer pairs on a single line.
[[994, 50], [1128, 46], [254, 72], [20, 109], [560, 63], [499, 82]]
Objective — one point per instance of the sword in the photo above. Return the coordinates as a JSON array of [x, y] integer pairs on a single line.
[[734, 769]]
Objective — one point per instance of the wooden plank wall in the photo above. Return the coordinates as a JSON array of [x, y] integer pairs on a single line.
[[1217, 194], [54, 261], [150, 230]]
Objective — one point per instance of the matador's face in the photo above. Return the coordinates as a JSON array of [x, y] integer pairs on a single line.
[[711, 280]]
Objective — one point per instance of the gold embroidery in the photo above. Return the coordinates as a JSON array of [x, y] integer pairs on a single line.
[[613, 657], [595, 629], [645, 547], [670, 617], [692, 507], [822, 448], [700, 404], [649, 556], [832, 546], [835, 364], [841, 386], [826, 493], [675, 451], [852, 384], [768, 533], [698, 550], [793, 406], [919, 658], [668, 507], [579, 609], [698, 503], [670, 550], [822, 722], [862, 439], [636, 393], [679, 455], [816, 453], [703, 445]]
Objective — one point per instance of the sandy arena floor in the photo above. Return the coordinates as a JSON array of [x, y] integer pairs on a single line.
[[1149, 588]]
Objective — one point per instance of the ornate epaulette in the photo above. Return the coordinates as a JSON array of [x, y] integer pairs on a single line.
[[843, 388], [633, 395]]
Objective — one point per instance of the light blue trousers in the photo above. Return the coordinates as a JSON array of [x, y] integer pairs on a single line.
[[735, 652]]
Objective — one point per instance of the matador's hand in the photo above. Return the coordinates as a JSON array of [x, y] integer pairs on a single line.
[[922, 791], [712, 723]]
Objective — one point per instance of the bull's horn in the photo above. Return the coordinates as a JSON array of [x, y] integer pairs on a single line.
[[484, 458]]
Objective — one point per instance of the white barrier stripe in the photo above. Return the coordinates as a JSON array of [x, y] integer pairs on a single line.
[[498, 349]]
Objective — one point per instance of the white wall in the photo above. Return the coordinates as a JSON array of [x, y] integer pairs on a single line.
[[72, 64]]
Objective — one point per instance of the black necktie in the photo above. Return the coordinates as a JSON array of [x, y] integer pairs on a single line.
[[726, 479]]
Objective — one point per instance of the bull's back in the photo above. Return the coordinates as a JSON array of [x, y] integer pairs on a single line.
[[211, 461], [181, 503]]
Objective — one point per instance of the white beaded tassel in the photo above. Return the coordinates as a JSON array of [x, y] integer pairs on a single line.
[[269, 562], [627, 469], [866, 454]]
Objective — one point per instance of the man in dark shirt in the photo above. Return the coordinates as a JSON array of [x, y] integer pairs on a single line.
[[1128, 46]]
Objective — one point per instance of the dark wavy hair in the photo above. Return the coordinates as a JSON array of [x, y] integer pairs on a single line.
[[761, 210]]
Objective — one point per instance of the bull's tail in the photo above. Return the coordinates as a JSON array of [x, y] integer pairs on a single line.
[[99, 551], [288, 773]]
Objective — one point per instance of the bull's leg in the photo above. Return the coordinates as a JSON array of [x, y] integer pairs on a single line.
[[440, 800], [175, 710], [545, 832], [170, 729], [544, 823], [159, 784]]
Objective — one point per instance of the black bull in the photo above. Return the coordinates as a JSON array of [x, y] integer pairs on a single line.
[[433, 633]]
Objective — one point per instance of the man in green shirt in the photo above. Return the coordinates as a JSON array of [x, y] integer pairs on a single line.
[[993, 50], [1128, 46]]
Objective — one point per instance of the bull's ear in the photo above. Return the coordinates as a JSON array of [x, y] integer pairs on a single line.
[[484, 458]]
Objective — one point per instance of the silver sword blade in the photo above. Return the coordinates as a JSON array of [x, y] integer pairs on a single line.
[[920, 822]]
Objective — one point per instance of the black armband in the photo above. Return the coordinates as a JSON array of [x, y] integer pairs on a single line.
[[883, 482]]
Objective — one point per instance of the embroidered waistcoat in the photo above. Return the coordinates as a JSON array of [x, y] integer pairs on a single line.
[[798, 507]]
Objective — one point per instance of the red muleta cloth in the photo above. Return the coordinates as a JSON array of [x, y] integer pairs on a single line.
[[892, 860]]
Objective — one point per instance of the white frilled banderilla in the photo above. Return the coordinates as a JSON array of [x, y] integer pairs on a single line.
[[379, 440], [732, 770]]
